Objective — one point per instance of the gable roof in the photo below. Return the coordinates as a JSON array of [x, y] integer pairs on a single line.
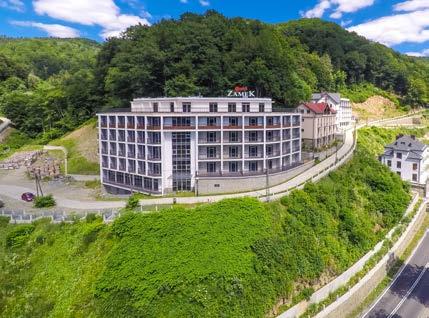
[[319, 108], [334, 96], [407, 144]]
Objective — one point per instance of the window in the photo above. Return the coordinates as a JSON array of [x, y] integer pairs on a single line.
[[211, 167], [232, 107], [155, 107], [213, 107], [211, 121], [233, 152], [253, 121], [269, 150], [233, 121], [253, 136], [211, 152], [414, 177], [399, 155], [172, 107], [253, 166], [186, 107], [233, 167], [414, 166], [181, 121], [233, 136], [398, 165], [389, 163], [246, 107], [261, 107], [253, 151], [211, 136]]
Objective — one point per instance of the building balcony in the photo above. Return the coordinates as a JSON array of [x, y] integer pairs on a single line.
[[232, 141], [207, 141], [153, 142], [140, 126], [247, 140], [121, 126], [206, 157], [287, 124], [274, 154], [130, 126], [209, 127], [171, 127], [294, 136], [153, 158], [154, 173], [274, 126], [253, 156], [131, 155], [121, 153], [273, 139], [254, 126], [296, 149], [140, 156], [103, 125], [112, 125], [227, 156], [232, 127], [153, 127]]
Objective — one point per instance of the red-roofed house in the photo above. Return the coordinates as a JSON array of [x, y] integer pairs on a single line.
[[318, 124]]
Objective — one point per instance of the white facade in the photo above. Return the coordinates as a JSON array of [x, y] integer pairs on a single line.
[[341, 105], [166, 144], [407, 157]]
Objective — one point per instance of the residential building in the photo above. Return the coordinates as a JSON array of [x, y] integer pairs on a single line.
[[318, 125], [408, 157], [341, 105], [217, 145]]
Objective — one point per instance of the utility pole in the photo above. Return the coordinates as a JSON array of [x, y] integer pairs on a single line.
[[267, 184]]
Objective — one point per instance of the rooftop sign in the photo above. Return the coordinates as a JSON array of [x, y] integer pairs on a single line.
[[241, 91]]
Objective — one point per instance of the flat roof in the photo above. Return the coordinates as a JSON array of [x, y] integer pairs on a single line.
[[202, 98]]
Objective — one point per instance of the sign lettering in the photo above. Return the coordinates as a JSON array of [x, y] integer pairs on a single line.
[[241, 91]]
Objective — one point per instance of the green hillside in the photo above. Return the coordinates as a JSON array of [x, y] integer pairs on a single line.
[[235, 258]]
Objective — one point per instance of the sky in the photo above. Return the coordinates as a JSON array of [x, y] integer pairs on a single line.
[[400, 24]]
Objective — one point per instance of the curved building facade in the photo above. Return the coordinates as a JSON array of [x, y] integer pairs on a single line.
[[165, 145]]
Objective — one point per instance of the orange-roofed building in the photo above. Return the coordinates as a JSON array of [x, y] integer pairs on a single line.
[[318, 125]]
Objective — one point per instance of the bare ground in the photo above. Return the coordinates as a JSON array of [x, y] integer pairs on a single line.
[[375, 107], [86, 141]]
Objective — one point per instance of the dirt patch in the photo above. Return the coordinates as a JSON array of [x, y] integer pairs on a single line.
[[5, 133], [375, 107], [86, 141]]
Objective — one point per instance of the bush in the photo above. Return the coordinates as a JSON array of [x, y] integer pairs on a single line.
[[46, 201], [133, 202], [18, 235]]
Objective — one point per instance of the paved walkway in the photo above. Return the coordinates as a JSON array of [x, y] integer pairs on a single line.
[[314, 173]]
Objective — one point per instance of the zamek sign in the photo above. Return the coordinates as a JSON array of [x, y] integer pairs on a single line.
[[241, 91]]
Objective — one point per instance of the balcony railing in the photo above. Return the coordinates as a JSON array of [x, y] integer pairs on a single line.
[[254, 126], [232, 127], [253, 156], [153, 127], [130, 126], [140, 156], [131, 155], [207, 141], [232, 141], [274, 126], [173, 127], [154, 173], [154, 158], [153, 142], [206, 157], [103, 125], [273, 154], [121, 125], [140, 126], [227, 156], [121, 153], [111, 125], [216, 126], [273, 139], [247, 140]]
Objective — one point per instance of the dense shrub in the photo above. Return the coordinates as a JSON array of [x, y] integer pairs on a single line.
[[46, 201], [133, 202], [18, 235]]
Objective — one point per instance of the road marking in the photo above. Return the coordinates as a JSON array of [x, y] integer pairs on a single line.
[[409, 291], [397, 275]]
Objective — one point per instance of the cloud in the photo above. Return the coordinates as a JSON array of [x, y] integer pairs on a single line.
[[16, 5], [396, 29], [339, 7], [204, 3], [55, 30], [104, 13], [423, 53], [411, 5]]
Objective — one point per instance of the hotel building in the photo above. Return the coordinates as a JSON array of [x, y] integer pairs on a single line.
[[206, 145]]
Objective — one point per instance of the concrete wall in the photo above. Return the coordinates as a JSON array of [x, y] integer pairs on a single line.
[[347, 303], [247, 183]]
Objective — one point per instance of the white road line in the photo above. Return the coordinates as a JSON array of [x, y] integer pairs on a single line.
[[397, 275], [409, 291]]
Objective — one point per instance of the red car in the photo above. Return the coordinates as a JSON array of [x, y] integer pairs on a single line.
[[27, 197]]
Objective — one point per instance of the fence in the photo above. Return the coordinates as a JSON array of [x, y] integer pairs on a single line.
[[21, 216]]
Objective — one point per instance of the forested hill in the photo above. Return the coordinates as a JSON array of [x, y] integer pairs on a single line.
[[45, 57], [49, 86], [209, 53]]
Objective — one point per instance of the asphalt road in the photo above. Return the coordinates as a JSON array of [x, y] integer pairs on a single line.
[[408, 295]]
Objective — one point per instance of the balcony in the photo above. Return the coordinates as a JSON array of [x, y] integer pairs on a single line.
[[232, 127], [287, 124], [103, 125], [153, 142], [295, 149], [130, 126], [121, 153], [121, 125], [227, 156], [208, 141], [173, 127], [259, 126], [274, 126], [131, 154], [258, 155], [232, 141], [112, 125], [140, 126], [206, 157], [294, 136], [247, 140], [209, 127], [273, 154], [153, 173], [153, 158], [153, 127], [273, 139], [140, 156]]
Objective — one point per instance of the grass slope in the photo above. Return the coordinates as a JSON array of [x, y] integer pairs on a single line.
[[234, 258]]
